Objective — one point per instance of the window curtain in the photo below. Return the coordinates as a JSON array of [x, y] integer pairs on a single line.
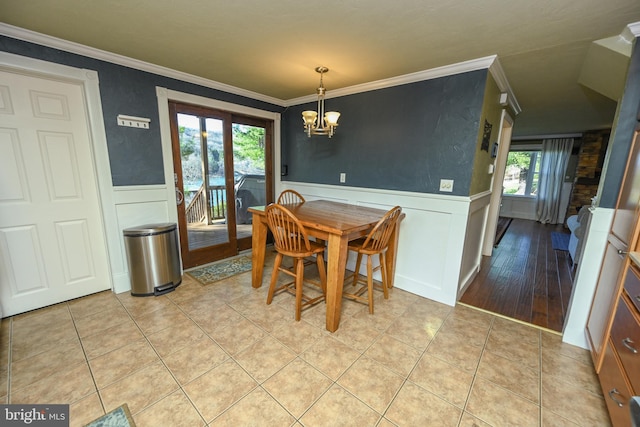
[[553, 166]]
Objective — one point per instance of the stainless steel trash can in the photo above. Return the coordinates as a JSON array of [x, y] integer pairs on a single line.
[[153, 257]]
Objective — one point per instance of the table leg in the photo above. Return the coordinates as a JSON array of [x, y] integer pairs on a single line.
[[258, 249], [336, 263], [391, 254]]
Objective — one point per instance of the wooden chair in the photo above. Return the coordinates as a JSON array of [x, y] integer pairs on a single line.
[[291, 240], [290, 197], [375, 243]]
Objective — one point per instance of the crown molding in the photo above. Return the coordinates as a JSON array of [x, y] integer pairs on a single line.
[[79, 49], [434, 73], [488, 62], [631, 31], [503, 84]]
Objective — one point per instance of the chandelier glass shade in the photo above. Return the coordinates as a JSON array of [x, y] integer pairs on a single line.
[[319, 122]]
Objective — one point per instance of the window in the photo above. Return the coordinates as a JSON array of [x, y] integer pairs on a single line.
[[522, 173]]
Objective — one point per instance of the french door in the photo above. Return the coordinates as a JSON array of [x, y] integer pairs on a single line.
[[222, 164]]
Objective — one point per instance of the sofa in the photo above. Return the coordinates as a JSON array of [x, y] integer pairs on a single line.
[[577, 224]]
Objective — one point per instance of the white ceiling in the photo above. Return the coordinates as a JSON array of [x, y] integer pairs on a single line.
[[272, 47]]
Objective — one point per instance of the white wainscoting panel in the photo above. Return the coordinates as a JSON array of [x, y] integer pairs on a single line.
[[135, 206], [432, 235], [586, 279]]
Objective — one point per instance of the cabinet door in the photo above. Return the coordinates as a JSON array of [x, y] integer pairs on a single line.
[[626, 214], [604, 299], [615, 389]]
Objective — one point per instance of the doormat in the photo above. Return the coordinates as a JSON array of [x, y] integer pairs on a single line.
[[560, 241], [119, 417], [501, 228], [221, 270]]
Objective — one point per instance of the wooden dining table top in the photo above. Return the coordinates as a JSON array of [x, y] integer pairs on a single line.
[[332, 217]]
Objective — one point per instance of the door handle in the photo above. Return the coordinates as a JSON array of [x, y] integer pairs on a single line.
[[179, 197]]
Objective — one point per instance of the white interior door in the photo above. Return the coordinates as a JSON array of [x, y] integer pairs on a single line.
[[52, 246]]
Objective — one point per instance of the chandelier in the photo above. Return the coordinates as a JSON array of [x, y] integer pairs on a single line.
[[319, 122]]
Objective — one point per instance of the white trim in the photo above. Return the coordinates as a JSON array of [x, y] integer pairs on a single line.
[[631, 31], [551, 136], [488, 62], [67, 46], [434, 73]]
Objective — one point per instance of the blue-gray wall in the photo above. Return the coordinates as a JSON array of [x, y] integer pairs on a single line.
[[405, 137], [135, 154], [623, 132]]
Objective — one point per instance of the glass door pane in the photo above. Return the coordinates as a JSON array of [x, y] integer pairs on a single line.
[[250, 179], [202, 157]]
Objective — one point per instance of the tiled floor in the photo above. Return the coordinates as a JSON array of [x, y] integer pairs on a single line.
[[218, 355]]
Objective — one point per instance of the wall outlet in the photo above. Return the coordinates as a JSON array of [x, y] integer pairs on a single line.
[[343, 177], [446, 185]]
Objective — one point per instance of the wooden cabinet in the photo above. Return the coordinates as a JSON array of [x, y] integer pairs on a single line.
[[613, 326]]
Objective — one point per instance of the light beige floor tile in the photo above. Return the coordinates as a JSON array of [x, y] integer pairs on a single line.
[[101, 321], [549, 419], [511, 375], [92, 304], [111, 339], [394, 354], [242, 335], [560, 398], [414, 406], [64, 387], [200, 300], [264, 358], [85, 410], [270, 318], [427, 312], [32, 342], [372, 383], [44, 318], [141, 306], [162, 318], [442, 379], [255, 409], [356, 333], [330, 356], [177, 336], [469, 420], [417, 333], [566, 369], [218, 389], [337, 407], [174, 410], [471, 315], [498, 406], [525, 333], [140, 389], [297, 386], [219, 319], [507, 344], [119, 363], [454, 350], [35, 368], [468, 331], [553, 343], [298, 336], [192, 361]]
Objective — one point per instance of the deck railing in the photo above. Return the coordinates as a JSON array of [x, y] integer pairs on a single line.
[[196, 210]]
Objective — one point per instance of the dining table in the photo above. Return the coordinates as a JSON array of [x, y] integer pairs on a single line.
[[335, 223]]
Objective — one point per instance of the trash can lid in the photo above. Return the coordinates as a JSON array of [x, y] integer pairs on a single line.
[[149, 229]]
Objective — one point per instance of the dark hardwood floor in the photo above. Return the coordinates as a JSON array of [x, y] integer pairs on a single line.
[[525, 279]]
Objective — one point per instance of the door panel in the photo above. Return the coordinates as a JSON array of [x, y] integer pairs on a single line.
[[51, 244], [215, 161]]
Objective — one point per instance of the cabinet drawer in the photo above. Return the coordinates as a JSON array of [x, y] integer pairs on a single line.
[[625, 335], [632, 286], [614, 388]]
